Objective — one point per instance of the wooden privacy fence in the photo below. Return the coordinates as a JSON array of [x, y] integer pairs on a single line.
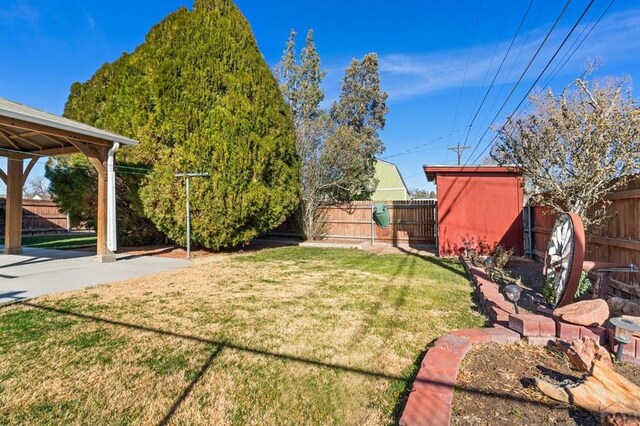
[[618, 241], [412, 222], [38, 216]]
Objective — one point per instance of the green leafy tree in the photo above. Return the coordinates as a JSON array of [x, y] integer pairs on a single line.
[[199, 97], [74, 187], [359, 115]]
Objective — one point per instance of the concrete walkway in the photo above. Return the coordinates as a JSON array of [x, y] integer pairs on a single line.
[[37, 272]]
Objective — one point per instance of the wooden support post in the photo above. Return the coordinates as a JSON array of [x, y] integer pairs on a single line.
[[13, 217], [27, 170], [601, 286], [98, 157]]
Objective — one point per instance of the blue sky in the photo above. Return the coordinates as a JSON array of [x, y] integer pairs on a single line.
[[436, 57]]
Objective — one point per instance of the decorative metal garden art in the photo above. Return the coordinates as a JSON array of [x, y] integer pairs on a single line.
[[565, 255]]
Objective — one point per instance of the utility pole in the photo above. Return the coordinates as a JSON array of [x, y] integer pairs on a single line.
[[187, 176], [459, 150]]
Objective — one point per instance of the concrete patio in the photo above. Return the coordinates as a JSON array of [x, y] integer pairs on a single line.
[[38, 272]]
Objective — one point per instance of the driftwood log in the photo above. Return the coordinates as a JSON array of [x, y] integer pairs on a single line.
[[583, 352], [603, 391]]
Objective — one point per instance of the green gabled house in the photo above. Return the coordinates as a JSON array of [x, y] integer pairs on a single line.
[[391, 186]]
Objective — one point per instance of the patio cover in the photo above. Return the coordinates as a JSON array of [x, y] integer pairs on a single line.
[[28, 134]]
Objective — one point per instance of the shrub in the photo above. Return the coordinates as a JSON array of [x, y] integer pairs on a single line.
[[549, 293], [585, 284]]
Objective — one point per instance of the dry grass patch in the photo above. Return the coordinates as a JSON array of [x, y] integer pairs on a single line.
[[283, 336]]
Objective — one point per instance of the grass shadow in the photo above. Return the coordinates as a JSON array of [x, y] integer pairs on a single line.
[[185, 393], [409, 379], [438, 261], [401, 402]]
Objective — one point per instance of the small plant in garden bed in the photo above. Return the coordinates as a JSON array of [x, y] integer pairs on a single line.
[[524, 273], [585, 285], [501, 256], [474, 249], [499, 259]]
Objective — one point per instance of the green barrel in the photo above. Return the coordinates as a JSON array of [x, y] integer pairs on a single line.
[[381, 215]]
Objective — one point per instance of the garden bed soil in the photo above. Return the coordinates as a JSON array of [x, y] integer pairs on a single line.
[[530, 274], [495, 387]]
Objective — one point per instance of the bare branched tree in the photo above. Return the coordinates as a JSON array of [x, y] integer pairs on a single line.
[[337, 149], [36, 186], [576, 147], [489, 160]]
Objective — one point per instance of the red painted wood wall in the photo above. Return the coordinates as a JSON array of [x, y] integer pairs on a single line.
[[481, 205]]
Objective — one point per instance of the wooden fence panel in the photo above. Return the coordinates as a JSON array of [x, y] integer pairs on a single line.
[[38, 216], [411, 222], [618, 241]]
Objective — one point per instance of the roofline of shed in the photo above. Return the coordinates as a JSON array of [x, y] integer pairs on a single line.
[[432, 171]]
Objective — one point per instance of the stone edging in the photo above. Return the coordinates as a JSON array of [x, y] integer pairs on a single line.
[[539, 329], [432, 393], [431, 396]]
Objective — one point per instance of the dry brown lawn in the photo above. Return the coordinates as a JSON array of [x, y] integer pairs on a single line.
[[282, 336]]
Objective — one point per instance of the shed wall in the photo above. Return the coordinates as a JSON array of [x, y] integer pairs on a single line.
[[483, 209]]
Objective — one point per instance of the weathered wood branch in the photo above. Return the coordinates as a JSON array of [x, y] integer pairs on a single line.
[[603, 391]]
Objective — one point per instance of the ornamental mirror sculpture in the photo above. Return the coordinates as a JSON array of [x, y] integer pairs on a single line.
[[565, 255]]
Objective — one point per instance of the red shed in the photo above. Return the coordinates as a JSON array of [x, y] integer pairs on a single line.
[[478, 205]]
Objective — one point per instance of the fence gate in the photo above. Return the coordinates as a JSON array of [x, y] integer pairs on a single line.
[[411, 222]]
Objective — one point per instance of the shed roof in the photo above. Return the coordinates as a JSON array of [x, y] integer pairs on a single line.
[[433, 171], [33, 131]]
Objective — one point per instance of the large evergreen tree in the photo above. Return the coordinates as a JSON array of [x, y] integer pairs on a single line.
[[199, 97]]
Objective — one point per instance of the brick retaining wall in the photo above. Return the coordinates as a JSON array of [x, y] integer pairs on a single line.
[[431, 396], [539, 328]]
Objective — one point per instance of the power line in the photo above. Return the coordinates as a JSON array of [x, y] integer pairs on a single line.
[[498, 71], [566, 52], [556, 70], [524, 98], [417, 148], [544, 41], [493, 56], [536, 20]]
